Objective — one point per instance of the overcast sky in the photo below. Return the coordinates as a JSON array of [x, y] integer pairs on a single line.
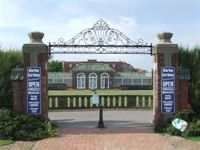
[[135, 18]]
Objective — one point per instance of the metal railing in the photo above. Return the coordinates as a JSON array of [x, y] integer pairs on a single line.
[[85, 102]]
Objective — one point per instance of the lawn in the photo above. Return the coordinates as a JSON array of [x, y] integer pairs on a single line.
[[193, 138], [100, 92], [6, 142]]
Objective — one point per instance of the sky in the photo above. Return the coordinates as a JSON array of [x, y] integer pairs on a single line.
[[66, 18]]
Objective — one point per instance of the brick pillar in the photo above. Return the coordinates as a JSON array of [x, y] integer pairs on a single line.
[[165, 54], [35, 54]]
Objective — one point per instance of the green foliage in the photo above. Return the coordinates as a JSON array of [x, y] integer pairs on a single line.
[[193, 138], [20, 126], [173, 131], [191, 59], [55, 66], [192, 118], [6, 142], [188, 115], [8, 59], [193, 129]]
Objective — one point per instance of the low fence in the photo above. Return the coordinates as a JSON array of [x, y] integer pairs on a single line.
[[85, 102]]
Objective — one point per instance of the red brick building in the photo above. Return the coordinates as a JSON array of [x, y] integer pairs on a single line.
[[117, 65]]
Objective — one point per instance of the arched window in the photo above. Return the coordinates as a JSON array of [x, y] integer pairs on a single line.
[[92, 81], [80, 81], [104, 81]]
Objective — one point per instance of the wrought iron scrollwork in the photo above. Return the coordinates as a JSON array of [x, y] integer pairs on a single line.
[[101, 39]]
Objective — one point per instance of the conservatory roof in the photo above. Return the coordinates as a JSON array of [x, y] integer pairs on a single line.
[[133, 74], [92, 67], [59, 75]]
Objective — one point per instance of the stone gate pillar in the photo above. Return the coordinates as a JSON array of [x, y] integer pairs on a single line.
[[35, 55], [165, 54]]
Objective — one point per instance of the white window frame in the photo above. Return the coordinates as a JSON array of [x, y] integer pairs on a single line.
[[77, 78], [90, 81], [108, 77]]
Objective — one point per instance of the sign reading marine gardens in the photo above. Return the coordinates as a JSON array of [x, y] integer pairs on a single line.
[[34, 90], [167, 89]]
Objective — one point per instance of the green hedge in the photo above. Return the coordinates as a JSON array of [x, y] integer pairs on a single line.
[[192, 118], [8, 59], [20, 126]]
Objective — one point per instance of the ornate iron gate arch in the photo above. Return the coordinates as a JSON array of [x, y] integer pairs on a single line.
[[100, 39]]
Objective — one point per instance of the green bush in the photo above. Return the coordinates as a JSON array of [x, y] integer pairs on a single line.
[[8, 59], [190, 59], [20, 126], [188, 115], [193, 129], [173, 131], [192, 118]]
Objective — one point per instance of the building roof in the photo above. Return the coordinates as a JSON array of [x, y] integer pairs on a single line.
[[92, 67], [133, 74], [59, 75], [93, 61]]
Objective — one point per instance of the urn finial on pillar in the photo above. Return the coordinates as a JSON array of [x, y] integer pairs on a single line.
[[36, 37], [165, 37]]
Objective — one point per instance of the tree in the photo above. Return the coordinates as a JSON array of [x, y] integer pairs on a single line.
[[8, 59], [191, 59], [55, 66]]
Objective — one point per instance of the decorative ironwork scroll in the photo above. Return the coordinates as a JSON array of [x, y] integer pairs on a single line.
[[100, 39]]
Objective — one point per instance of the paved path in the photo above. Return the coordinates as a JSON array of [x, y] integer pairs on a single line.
[[114, 139], [107, 139], [112, 118]]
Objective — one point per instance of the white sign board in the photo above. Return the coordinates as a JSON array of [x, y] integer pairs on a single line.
[[179, 124], [95, 98]]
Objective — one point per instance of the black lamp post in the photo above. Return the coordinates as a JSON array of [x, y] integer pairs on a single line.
[[101, 124]]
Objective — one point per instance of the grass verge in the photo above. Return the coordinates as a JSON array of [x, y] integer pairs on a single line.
[[193, 138], [100, 92], [6, 142]]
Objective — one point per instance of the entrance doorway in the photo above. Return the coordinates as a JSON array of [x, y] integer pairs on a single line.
[[129, 107]]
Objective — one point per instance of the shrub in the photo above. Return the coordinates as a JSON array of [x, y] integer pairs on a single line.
[[188, 115], [8, 59], [20, 126], [173, 131], [193, 128]]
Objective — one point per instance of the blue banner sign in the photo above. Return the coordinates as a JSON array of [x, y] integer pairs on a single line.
[[167, 89], [34, 90]]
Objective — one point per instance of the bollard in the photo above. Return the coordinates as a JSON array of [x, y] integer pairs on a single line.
[[100, 124]]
